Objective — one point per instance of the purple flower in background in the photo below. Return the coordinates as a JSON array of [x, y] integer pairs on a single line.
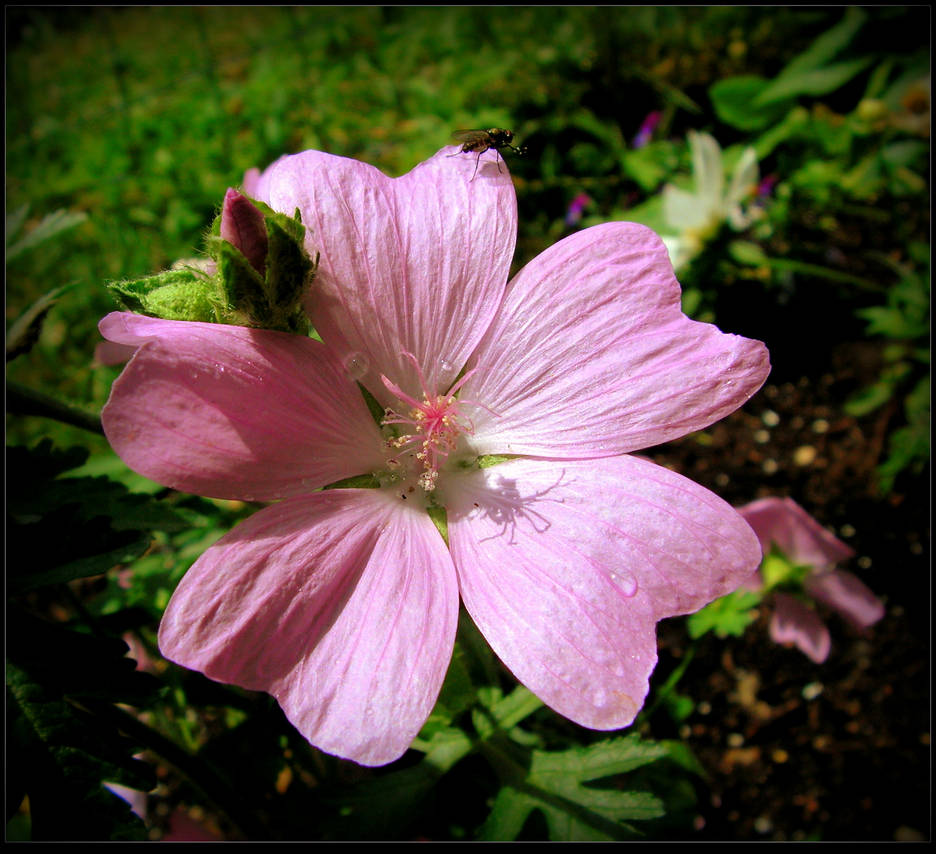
[[766, 185], [649, 125], [576, 209], [782, 525]]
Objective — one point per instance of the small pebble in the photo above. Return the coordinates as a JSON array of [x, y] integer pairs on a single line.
[[804, 455], [762, 824], [812, 690]]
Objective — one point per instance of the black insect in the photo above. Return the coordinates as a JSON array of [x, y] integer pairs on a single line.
[[484, 140]]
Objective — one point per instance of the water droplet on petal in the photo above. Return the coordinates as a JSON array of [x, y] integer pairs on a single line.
[[356, 365], [624, 581], [445, 366]]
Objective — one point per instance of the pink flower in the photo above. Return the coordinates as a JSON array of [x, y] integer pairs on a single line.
[[782, 524], [342, 603], [576, 209], [648, 126]]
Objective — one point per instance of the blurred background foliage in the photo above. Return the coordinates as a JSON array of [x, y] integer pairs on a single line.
[[125, 126]]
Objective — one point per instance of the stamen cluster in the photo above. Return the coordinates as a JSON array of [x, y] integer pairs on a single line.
[[435, 423]]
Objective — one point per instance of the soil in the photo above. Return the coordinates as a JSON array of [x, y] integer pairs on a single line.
[[796, 750]]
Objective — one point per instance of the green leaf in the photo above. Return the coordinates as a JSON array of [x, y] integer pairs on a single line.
[[456, 696], [385, 807], [728, 615], [745, 252], [909, 446], [60, 752], [505, 712], [650, 165], [24, 332], [61, 528], [182, 294], [809, 73], [48, 227], [734, 101], [819, 81], [868, 399], [893, 322], [829, 44], [563, 786]]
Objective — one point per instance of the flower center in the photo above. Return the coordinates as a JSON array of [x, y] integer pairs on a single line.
[[432, 427]]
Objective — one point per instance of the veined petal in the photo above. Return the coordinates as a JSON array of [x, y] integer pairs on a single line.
[[342, 604], [231, 412], [781, 522], [416, 264], [257, 184], [794, 623], [566, 566], [847, 594], [591, 354]]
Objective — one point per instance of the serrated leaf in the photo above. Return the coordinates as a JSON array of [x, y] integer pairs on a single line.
[[60, 752], [51, 564], [561, 785], [728, 615], [61, 528], [76, 664], [59, 758], [24, 332]]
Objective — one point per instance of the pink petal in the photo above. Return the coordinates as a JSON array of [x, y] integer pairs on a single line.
[[783, 523], [108, 353], [792, 622], [846, 594], [257, 183], [415, 264], [230, 412], [591, 355], [342, 605], [566, 566]]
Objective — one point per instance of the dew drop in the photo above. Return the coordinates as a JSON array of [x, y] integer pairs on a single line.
[[624, 582], [356, 365], [445, 366]]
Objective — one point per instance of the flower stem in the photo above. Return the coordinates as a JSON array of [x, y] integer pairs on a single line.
[[22, 400]]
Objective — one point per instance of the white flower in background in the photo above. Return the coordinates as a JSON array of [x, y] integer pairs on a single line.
[[696, 216]]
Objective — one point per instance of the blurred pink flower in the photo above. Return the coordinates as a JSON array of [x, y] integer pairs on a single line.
[[782, 524], [343, 603], [647, 127], [576, 209]]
